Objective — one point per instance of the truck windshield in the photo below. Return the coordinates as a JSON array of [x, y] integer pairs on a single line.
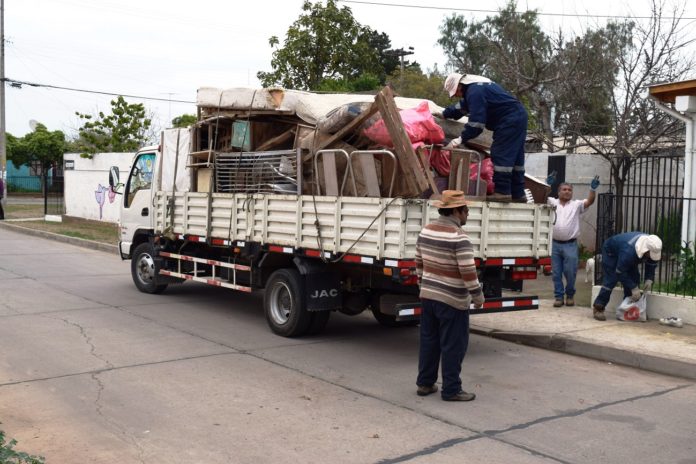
[[141, 175]]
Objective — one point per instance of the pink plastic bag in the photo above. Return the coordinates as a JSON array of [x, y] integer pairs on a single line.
[[486, 173], [418, 122]]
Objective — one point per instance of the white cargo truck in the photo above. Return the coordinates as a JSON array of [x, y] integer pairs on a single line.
[[191, 215]]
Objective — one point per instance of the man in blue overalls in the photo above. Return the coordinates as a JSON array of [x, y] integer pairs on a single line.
[[621, 256], [489, 106]]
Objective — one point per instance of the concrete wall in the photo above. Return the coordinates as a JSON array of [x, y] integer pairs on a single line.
[[87, 191], [580, 169]]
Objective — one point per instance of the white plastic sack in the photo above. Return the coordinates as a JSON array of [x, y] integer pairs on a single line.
[[633, 310]]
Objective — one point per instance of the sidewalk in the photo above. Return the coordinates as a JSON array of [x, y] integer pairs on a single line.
[[643, 345]]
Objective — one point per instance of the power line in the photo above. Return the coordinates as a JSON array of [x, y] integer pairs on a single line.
[[473, 10], [16, 83]]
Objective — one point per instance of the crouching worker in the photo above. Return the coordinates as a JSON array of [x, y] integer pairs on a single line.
[[448, 285], [621, 258]]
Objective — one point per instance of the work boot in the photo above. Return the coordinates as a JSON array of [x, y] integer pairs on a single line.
[[501, 197], [570, 301], [598, 312], [558, 303], [425, 390], [461, 396]]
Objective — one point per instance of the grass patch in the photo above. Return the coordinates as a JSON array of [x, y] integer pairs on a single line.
[[104, 232], [25, 211]]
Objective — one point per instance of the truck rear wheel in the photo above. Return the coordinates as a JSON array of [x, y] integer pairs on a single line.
[[284, 304], [143, 270]]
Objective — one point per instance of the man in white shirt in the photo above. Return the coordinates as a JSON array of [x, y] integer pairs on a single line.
[[564, 255]]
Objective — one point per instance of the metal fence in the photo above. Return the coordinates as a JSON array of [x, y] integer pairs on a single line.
[[661, 216], [651, 200], [24, 184], [54, 195]]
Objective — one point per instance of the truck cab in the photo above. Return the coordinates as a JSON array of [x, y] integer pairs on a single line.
[[136, 219]]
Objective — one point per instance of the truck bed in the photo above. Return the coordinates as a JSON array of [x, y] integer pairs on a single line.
[[383, 228]]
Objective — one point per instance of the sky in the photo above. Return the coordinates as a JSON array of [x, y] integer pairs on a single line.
[[168, 49]]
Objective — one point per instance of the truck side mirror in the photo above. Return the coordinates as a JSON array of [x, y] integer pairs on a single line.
[[113, 177], [114, 180]]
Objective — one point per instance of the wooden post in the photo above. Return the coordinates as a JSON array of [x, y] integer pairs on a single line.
[[413, 176]]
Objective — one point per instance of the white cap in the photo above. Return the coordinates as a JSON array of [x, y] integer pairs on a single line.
[[452, 82], [649, 243], [454, 79]]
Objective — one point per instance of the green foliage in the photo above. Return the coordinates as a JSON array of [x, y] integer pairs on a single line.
[[573, 77], [184, 120], [684, 282], [8, 455], [324, 47], [41, 146], [417, 84], [669, 230], [584, 254], [362, 83], [124, 130]]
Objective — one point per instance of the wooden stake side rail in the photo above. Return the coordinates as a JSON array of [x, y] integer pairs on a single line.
[[383, 228]]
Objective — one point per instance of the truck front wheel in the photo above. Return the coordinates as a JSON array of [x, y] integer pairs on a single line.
[[143, 270], [284, 304]]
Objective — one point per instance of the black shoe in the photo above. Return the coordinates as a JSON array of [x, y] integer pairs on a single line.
[[461, 396], [424, 390]]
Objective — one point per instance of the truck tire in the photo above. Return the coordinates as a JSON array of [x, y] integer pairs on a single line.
[[389, 320], [284, 304], [143, 270]]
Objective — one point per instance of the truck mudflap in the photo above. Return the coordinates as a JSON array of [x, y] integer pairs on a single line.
[[412, 311]]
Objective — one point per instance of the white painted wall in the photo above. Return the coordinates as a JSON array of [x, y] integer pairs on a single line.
[[87, 192], [580, 169]]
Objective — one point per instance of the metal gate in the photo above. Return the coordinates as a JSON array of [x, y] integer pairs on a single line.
[[651, 201], [54, 203]]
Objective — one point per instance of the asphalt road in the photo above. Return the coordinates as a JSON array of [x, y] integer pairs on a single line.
[[92, 371]]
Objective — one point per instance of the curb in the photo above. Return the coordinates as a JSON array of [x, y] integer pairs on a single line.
[[569, 345], [81, 242]]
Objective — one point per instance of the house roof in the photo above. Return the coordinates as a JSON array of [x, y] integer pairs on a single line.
[[666, 92]]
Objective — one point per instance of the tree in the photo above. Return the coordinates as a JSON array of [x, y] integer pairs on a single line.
[[513, 50], [417, 84], [124, 130], [655, 53], [40, 147], [184, 120], [327, 44]]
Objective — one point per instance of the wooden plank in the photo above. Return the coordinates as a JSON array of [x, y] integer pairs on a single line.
[[408, 160], [369, 172], [275, 141], [459, 171], [330, 175], [348, 128], [428, 172]]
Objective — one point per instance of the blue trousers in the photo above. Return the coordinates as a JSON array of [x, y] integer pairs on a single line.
[[507, 154], [564, 263], [444, 335], [610, 277]]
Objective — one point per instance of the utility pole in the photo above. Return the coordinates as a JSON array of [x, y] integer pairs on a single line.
[[3, 135], [400, 52]]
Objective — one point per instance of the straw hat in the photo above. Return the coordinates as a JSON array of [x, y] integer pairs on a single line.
[[450, 199]]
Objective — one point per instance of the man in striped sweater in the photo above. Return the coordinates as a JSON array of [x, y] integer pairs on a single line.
[[448, 286]]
